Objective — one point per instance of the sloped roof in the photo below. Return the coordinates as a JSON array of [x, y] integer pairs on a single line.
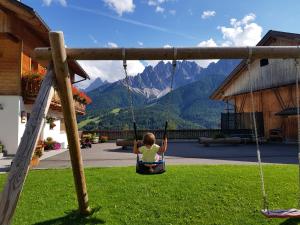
[[32, 18], [266, 40]]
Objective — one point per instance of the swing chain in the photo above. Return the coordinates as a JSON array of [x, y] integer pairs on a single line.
[[130, 97], [297, 65], [174, 64], [264, 195]]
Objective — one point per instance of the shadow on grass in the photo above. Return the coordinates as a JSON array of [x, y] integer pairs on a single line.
[[291, 222], [74, 218]]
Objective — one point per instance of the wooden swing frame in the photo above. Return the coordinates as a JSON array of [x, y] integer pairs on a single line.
[[58, 76]]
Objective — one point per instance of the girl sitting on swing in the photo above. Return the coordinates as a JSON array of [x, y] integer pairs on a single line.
[[150, 150]]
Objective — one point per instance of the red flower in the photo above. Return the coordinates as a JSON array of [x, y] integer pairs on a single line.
[[80, 96]]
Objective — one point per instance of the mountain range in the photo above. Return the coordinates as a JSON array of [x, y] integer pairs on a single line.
[[188, 106], [98, 82]]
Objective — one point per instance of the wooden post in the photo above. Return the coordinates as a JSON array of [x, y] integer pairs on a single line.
[[65, 91], [19, 168]]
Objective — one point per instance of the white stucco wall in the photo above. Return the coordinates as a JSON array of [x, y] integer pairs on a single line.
[[56, 134], [11, 128]]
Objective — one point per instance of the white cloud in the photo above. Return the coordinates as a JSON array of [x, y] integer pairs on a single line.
[[156, 2], [110, 70], [209, 43], [49, 2], [112, 45], [140, 43], [155, 62], [208, 14], [121, 6], [159, 9], [94, 40], [167, 46], [172, 12], [242, 32]]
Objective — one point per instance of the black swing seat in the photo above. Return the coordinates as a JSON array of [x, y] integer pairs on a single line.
[[141, 167], [281, 213]]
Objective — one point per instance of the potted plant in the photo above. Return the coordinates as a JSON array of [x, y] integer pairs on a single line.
[[95, 138], [56, 146], [103, 139], [49, 143], [35, 160], [51, 120], [1, 147]]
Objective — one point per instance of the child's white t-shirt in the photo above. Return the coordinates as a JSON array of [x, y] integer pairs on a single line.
[[149, 154]]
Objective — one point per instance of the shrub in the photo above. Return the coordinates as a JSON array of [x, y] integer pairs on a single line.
[[50, 144], [57, 146], [38, 152], [1, 147], [87, 136], [103, 139], [94, 135]]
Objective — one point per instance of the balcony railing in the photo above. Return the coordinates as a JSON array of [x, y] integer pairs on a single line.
[[30, 90]]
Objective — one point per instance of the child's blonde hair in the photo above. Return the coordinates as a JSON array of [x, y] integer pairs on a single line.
[[149, 139]]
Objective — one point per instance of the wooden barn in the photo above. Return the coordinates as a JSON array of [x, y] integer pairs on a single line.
[[22, 30], [274, 86]]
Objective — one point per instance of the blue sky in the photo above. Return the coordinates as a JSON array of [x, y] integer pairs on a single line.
[[158, 23]]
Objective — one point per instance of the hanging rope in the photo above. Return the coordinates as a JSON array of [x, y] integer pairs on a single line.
[[261, 173], [297, 64], [174, 64], [130, 96]]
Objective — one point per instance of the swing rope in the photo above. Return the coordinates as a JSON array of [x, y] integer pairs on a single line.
[[174, 64], [130, 96], [297, 64], [258, 153]]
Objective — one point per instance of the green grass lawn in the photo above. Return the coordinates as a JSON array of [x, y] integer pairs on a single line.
[[183, 195]]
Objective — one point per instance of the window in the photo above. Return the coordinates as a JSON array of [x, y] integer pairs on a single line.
[[264, 62]]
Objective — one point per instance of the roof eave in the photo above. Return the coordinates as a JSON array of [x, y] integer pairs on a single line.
[[217, 94]]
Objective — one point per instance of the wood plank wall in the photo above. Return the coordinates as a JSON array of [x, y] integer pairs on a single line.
[[278, 72], [10, 64], [268, 101]]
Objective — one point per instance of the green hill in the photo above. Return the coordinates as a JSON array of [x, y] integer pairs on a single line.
[[189, 107]]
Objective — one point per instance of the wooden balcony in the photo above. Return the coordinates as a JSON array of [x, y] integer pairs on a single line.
[[30, 89]]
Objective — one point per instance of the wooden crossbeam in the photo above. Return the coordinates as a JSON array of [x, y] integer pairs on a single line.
[[243, 103], [65, 92], [19, 168], [168, 53], [279, 98]]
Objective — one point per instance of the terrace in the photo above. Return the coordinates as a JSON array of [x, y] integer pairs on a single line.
[[180, 152]]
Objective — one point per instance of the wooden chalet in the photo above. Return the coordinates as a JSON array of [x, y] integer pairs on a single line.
[[274, 92], [21, 31]]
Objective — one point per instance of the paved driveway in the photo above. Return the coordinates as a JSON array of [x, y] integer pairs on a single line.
[[108, 154]]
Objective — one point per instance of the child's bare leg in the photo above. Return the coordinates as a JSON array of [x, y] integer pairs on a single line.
[[150, 167]]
